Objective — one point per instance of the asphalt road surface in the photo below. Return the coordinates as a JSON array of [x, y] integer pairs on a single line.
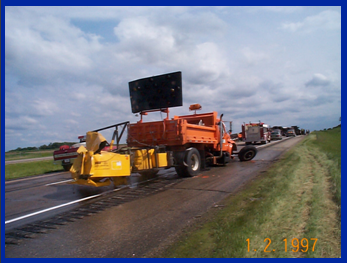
[[142, 227]]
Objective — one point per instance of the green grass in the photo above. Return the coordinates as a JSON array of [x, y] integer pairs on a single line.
[[19, 170], [329, 142], [299, 197], [19, 155]]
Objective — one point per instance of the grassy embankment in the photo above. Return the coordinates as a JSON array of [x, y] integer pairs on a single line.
[[298, 199], [19, 170], [19, 155]]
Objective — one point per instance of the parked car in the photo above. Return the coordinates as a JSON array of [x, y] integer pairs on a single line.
[[276, 135], [291, 132]]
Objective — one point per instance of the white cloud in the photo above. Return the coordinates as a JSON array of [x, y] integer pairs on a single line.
[[326, 20], [253, 57], [21, 123], [45, 107], [62, 80], [58, 48], [318, 80], [145, 39]]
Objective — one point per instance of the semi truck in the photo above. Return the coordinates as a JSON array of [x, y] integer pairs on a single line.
[[189, 143], [256, 132]]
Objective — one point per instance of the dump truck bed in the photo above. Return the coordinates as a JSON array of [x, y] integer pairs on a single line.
[[196, 128]]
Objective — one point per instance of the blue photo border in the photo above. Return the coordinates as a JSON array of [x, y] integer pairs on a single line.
[[137, 3]]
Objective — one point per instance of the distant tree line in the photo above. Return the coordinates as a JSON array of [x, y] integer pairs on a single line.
[[332, 128], [51, 146]]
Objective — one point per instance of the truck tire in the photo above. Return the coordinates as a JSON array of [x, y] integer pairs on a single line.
[[192, 164], [247, 153], [193, 161]]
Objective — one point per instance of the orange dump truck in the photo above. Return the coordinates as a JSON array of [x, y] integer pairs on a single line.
[[189, 143], [193, 141]]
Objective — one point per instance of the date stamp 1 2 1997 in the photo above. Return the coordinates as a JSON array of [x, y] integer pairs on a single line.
[[302, 245]]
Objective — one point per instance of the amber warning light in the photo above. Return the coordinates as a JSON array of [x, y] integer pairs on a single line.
[[195, 107]]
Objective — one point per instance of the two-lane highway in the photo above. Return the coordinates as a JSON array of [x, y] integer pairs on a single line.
[[137, 228], [32, 198]]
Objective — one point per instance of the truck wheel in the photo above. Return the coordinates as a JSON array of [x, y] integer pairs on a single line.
[[247, 153], [67, 167], [193, 162]]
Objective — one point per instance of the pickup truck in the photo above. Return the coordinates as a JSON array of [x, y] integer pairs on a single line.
[[67, 154]]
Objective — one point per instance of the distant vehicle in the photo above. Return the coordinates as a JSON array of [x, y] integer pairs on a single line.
[[255, 132], [281, 129], [291, 132], [276, 135], [297, 130], [67, 154]]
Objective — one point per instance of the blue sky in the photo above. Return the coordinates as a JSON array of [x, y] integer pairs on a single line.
[[67, 68]]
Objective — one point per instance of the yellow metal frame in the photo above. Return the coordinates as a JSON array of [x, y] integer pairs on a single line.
[[97, 169]]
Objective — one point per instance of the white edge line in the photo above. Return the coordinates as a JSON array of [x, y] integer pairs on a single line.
[[56, 207], [61, 182], [49, 209]]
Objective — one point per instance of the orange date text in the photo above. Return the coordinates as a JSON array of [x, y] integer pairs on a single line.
[[295, 245]]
